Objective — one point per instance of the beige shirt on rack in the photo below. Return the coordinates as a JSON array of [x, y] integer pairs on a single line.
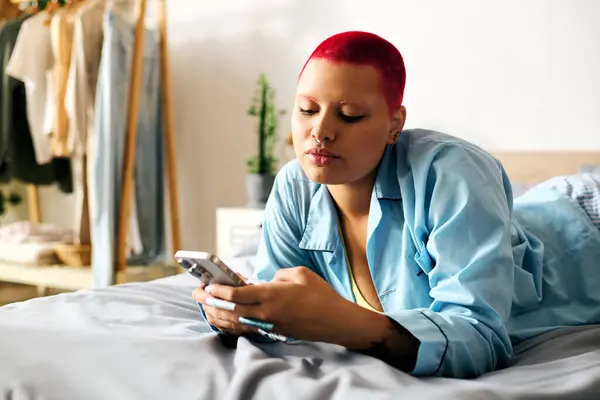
[[80, 93], [61, 29], [61, 36]]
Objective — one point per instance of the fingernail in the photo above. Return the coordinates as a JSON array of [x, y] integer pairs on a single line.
[[208, 289], [218, 303], [257, 324]]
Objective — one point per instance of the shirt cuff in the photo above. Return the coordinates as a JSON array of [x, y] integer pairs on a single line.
[[433, 341], [212, 328]]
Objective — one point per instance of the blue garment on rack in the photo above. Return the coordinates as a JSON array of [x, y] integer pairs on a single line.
[[106, 162]]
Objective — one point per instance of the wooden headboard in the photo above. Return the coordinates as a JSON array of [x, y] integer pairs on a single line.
[[537, 166]]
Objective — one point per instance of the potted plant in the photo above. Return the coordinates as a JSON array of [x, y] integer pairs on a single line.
[[262, 166]]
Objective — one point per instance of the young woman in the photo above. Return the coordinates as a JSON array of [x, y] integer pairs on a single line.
[[403, 244]]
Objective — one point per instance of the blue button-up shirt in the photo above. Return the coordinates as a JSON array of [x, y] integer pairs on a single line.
[[450, 259]]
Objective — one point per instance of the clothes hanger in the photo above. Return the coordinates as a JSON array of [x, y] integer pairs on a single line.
[[51, 8]]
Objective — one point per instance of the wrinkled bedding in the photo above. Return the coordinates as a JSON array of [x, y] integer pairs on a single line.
[[148, 341]]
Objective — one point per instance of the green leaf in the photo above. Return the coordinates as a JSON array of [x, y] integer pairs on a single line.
[[264, 108]]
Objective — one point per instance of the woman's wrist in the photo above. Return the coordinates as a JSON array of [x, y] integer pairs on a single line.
[[377, 335], [355, 327]]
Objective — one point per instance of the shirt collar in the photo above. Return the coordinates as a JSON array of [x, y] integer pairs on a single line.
[[387, 186], [321, 231]]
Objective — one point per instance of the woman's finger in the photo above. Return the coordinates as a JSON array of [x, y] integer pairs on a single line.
[[229, 326], [249, 294], [224, 319], [219, 319], [199, 294], [220, 314], [296, 274], [224, 326], [260, 312]]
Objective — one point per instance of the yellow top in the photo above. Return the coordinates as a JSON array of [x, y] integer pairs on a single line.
[[358, 296]]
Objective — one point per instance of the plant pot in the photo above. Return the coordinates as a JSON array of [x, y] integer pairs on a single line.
[[258, 189]]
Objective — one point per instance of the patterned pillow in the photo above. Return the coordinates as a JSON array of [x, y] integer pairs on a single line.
[[520, 188], [590, 169]]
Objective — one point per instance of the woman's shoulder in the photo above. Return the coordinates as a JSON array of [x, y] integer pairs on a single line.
[[423, 149], [428, 161], [423, 142]]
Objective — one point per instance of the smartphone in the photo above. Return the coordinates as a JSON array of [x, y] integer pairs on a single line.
[[208, 268]]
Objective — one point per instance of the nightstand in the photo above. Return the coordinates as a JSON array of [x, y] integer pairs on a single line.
[[235, 226]]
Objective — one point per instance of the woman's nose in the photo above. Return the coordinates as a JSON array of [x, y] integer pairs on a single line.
[[323, 129]]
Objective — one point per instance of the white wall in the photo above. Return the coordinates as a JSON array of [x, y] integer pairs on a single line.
[[506, 74]]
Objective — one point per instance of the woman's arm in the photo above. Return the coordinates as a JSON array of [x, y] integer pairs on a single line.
[[302, 305], [383, 338], [466, 255]]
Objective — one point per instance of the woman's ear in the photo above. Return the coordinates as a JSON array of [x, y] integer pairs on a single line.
[[397, 123]]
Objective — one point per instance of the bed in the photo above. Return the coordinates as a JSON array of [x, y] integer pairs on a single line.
[[147, 341]]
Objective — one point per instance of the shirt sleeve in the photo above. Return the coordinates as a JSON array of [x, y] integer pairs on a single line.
[[281, 231], [24, 64], [466, 254]]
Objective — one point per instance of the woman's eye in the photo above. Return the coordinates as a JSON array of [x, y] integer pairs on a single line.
[[351, 119], [306, 112]]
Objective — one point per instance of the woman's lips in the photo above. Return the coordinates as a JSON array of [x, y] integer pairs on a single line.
[[320, 157]]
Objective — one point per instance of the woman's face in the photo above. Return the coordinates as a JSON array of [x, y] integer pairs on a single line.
[[343, 102]]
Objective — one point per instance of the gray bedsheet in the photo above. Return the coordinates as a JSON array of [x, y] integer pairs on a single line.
[[147, 341]]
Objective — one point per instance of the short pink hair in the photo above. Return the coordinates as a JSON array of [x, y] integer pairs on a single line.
[[364, 48]]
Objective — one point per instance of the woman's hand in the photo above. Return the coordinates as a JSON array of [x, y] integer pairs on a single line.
[[218, 317], [299, 304]]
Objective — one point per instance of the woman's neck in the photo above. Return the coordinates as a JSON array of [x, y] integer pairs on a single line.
[[353, 200]]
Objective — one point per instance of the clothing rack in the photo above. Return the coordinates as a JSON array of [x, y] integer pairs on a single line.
[[131, 136]]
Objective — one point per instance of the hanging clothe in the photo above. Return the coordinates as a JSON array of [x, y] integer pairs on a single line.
[[31, 63], [61, 38], [18, 155], [70, 77], [80, 97], [107, 149]]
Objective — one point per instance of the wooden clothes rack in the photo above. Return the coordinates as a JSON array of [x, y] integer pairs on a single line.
[[132, 127], [131, 137]]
